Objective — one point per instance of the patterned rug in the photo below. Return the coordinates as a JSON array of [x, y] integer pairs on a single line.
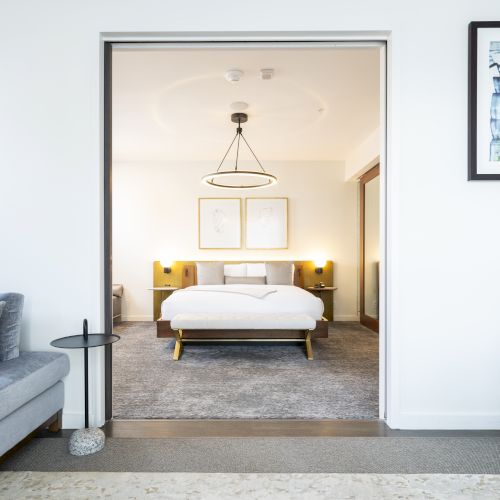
[[180, 486], [247, 381]]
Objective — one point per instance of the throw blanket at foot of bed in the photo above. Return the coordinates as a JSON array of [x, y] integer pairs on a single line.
[[240, 323]]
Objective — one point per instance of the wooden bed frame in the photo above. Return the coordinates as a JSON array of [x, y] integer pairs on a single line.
[[163, 329]]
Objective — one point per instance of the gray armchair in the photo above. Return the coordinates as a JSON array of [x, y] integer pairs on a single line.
[[31, 389], [117, 303]]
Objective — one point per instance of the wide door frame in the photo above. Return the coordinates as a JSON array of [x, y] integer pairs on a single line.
[[260, 39], [368, 321]]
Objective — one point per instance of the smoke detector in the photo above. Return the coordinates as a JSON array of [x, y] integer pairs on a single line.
[[239, 106], [266, 73], [233, 75]]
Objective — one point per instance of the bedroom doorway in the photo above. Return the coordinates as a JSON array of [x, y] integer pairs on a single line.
[[140, 329]]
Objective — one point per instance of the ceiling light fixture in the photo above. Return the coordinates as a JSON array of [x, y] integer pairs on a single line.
[[239, 179]]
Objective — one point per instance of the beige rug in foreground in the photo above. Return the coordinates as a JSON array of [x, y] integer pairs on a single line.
[[206, 486]]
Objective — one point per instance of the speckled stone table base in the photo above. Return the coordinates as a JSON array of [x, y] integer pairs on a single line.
[[192, 486], [86, 441]]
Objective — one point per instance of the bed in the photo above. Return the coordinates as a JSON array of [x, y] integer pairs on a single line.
[[241, 299]]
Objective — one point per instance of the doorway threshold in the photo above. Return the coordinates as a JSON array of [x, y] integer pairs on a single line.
[[270, 428]]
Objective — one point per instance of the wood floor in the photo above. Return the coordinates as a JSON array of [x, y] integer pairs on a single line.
[[268, 428]]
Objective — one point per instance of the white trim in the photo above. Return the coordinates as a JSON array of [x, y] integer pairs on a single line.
[[235, 45], [308, 38], [383, 239], [389, 296], [450, 421], [75, 420], [355, 37]]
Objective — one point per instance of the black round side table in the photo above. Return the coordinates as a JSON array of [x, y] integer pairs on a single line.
[[84, 443]]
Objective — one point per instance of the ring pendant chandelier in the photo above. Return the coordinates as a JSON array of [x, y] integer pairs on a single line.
[[235, 178]]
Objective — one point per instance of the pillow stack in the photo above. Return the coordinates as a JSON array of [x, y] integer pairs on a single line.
[[251, 273]]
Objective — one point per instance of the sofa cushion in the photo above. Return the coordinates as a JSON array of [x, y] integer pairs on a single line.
[[10, 325], [2, 305], [31, 373]]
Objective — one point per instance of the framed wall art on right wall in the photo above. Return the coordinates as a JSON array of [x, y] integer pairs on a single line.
[[484, 100]]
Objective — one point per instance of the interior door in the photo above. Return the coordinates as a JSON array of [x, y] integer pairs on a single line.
[[369, 186]]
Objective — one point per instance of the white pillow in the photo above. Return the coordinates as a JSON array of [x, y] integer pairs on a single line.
[[235, 270], [279, 273], [256, 270], [210, 273]]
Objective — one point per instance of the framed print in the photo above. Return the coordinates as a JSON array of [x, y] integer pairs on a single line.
[[266, 223], [484, 101], [219, 223]]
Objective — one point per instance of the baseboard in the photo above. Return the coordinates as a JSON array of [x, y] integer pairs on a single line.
[[76, 420], [346, 317], [445, 421], [148, 317]]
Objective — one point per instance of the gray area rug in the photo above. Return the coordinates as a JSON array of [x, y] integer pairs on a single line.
[[252, 380], [387, 455]]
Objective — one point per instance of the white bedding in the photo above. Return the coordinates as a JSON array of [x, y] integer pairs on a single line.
[[208, 299], [257, 292]]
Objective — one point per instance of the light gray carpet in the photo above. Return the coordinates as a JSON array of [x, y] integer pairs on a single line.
[[466, 455], [222, 381]]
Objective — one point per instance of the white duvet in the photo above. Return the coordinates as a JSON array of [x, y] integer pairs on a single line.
[[238, 299]]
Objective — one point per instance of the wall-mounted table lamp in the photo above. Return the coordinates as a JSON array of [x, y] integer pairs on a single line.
[[319, 264], [167, 265]]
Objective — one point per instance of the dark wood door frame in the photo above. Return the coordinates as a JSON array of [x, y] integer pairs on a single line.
[[368, 321], [108, 247]]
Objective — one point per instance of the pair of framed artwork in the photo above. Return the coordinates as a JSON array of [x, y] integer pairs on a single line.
[[220, 223]]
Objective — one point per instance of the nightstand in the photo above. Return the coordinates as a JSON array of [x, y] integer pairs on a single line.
[[325, 294], [160, 294]]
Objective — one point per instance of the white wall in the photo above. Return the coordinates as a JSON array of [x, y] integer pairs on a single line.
[[365, 156], [156, 213], [444, 315]]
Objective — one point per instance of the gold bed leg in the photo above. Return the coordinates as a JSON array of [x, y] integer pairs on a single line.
[[178, 345], [309, 350]]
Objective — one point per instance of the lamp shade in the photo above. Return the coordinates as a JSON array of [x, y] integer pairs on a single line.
[[166, 263], [320, 262]]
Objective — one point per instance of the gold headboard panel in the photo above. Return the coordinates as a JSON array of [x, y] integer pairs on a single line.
[[183, 273]]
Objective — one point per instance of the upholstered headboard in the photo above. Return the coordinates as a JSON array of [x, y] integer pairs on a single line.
[[189, 275]]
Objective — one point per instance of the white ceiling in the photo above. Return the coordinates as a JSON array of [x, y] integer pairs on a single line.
[[173, 104]]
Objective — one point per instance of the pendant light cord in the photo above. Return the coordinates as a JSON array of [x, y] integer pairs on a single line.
[[239, 133], [254, 155], [227, 152]]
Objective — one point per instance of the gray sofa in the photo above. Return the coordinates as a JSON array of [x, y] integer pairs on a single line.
[[31, 390]]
